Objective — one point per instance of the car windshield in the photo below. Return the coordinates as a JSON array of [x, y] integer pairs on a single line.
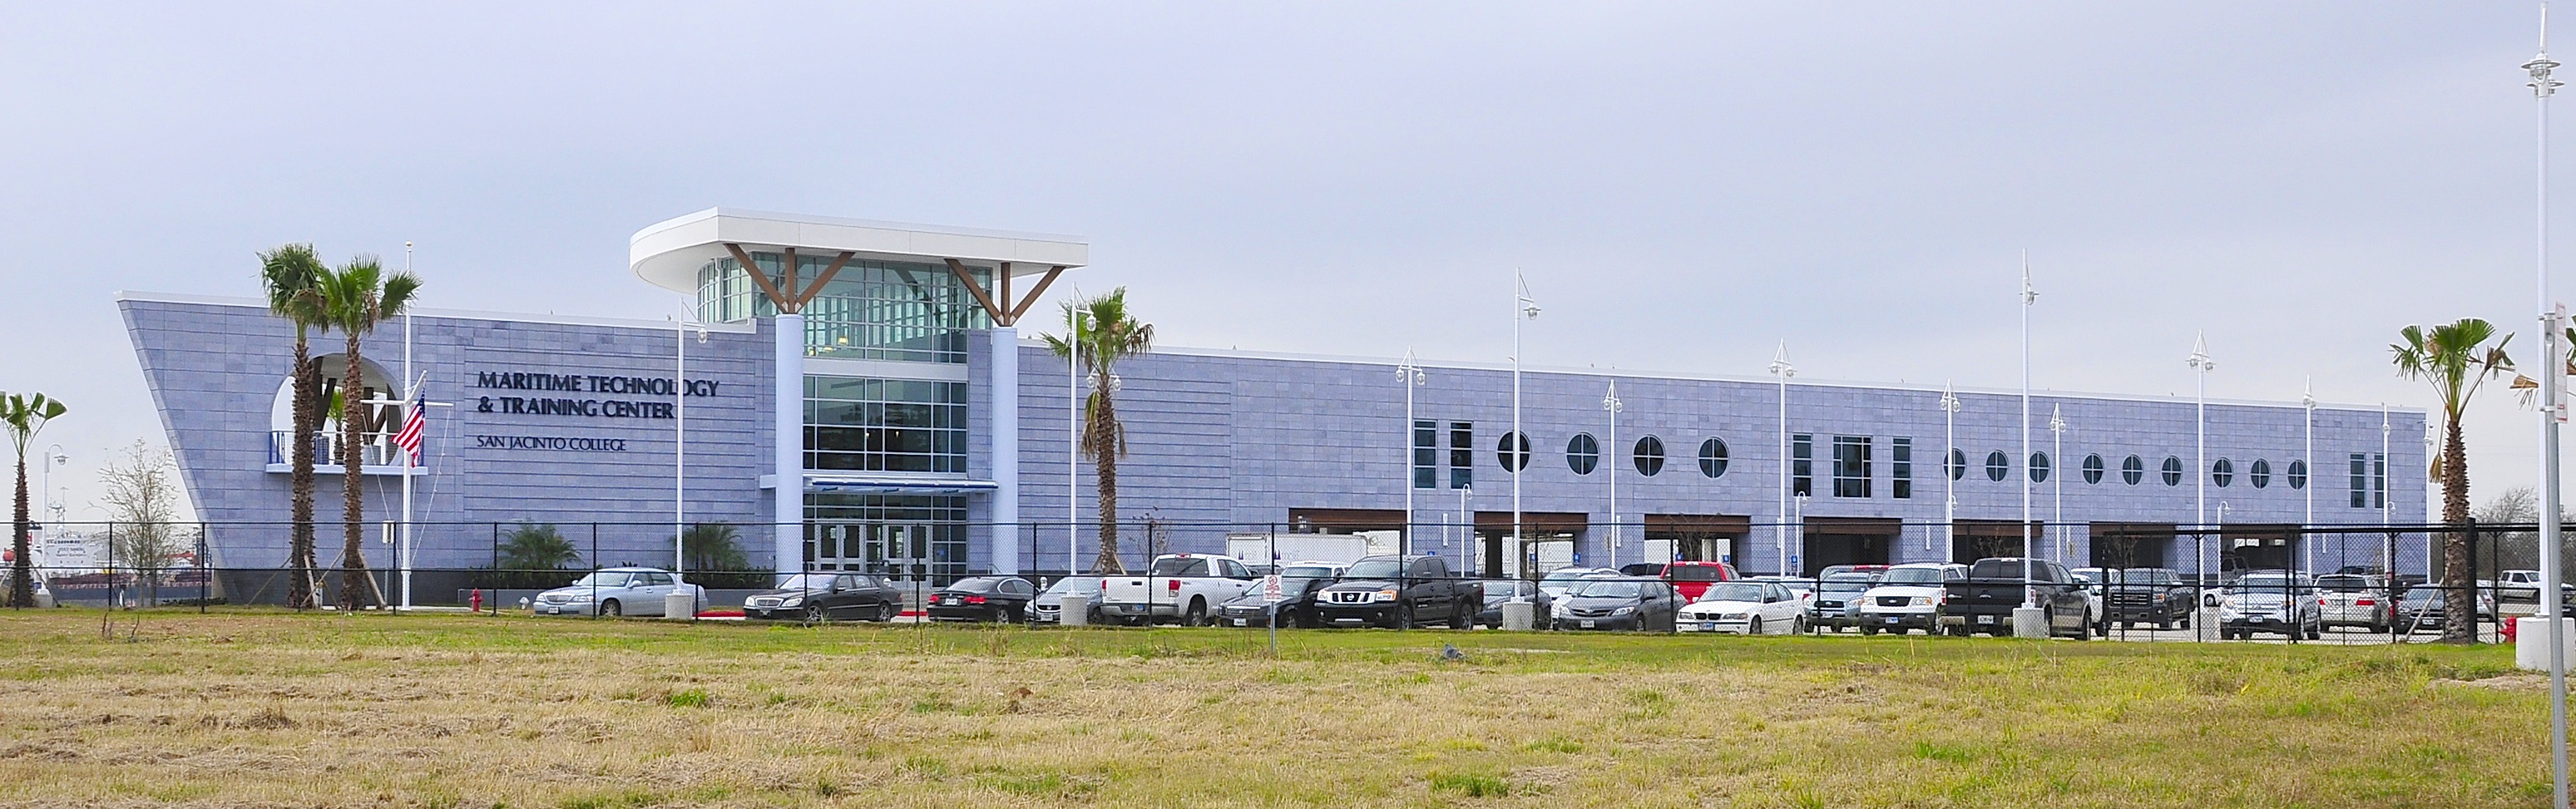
[[807, 581], [1074, 584], [2423, 593], [1732, 591], [1912, 575], [602, 578], [1501, 589], [1609, 589], [1566, 578], [2343, 584], [1846, 583], [1306, 572], [1698, 573], [1376, 569], [2274, 585]]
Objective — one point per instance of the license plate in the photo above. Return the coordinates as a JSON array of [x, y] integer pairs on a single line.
[[1892, 620], [1588, 623], [1242, 622], [1705, 626], [1985, 619], [553, 611]]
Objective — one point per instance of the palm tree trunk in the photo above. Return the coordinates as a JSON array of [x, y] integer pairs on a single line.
[[22, 583], [299, 544], [1104, 459], [2459, 600], [353, 558]]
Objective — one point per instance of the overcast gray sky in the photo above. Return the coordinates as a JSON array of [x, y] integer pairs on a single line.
[[1685, 184]]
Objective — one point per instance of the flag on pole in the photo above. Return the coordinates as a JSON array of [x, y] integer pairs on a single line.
[[414, 423]]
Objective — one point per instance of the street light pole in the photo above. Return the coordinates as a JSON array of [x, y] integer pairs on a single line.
[[2308, 484], [2030, 588], [1524, 309], [2553, 412], [2057, 455], [1781, 368], [54, 455], [2201, 365], [1410, 376], [1950, 472], [1610, 402]]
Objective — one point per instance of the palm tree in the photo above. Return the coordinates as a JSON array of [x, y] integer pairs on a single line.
[[293, 276], [23, 415], [2457, 359], [356, 297], [1098, 333]]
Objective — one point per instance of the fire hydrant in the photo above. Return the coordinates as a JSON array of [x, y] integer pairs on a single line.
[[476, 601]]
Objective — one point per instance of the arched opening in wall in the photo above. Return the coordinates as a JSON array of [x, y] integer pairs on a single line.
[[376, 429]]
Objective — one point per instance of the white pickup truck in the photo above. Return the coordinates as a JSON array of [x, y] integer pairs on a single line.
[[1182, 586]]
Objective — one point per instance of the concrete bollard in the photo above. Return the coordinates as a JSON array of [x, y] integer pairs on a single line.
[[1075, 610], [1520, 615], [2030, 622], [2531, 643], [680, 605]]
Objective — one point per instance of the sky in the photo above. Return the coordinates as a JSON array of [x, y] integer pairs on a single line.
[[1684, 185]]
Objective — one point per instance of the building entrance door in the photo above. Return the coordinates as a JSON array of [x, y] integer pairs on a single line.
[[900, 552]]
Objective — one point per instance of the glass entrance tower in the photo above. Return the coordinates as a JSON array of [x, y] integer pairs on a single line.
[[876, 326]]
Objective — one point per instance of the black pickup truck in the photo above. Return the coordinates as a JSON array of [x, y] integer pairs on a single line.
[[1400, 592], [2135, 595], [1984, 601]]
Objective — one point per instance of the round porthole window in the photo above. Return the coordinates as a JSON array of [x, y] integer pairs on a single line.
[[2173, 471], [1712, 457], [1997, 465], [2222, 472], [2133, 470], [1650, 456], [2093, 468], [1582, 453], [2039, 467], [1958, 464], [1512, 451], [2298, 474], [2259, 474]]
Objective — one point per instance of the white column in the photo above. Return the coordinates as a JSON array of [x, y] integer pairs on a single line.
[[789, 462], [1005, 449]]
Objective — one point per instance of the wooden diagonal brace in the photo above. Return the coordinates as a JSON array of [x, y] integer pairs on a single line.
[[785, 305], [999, 316], [1032, 296], [816, 288]]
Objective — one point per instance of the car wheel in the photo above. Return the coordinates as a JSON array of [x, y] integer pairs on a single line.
[[1403, 618], [1869, 630], [1798, 625], [814, 614], [2316, 632], [1460, 618], [611, 609]]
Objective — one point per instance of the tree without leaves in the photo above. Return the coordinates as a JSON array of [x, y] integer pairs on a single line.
[[24, 415], [141, 501], [2457, 360], [292, 275], [356, 298], [1099, 332]]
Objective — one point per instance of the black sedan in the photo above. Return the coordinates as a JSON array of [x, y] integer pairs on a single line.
[[819, 597], [1504, 591], [982, 598], [1296, 601], [1648, 605]]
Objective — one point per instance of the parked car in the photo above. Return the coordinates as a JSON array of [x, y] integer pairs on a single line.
[[1499, 592], [1642, 569], [2354, 600], [615, 591], [1745, 608], [1907, 597], [1804, 588], [1298, 584], [1400, 592], [1179, 586], [999, 599], [2421, 608], [1048, 606], [1985, 600], [1692, 578], [1835, 570], [2134, 595], [2276, 601], [1832, 606], [818, 597], [1560, 581], [1629, 602]]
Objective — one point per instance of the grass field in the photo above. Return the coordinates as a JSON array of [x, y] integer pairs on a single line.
[[268, 709]]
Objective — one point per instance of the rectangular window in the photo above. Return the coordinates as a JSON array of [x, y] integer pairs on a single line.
[[1802, 469], [884, 425], [2360, 480], [1851, 465], [1462, 455], [870, 310], [1900, 468], [2378, 480], [1426, 454]]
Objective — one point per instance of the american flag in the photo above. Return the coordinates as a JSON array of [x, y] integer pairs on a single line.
[[414, 423]]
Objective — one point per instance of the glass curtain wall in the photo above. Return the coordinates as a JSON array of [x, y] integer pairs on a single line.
[[859, 424], [871, 310]]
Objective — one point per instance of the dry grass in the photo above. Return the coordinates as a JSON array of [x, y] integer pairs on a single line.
[[255, 709]]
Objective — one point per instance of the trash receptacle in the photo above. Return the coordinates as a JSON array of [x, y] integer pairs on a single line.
[[681, 604], [1520, 615], [1075, 610]]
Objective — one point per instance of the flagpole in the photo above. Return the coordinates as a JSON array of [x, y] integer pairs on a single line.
[[411, 393]]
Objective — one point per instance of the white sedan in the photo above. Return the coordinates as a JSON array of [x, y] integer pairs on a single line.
[[1745, 608], [615, 591]]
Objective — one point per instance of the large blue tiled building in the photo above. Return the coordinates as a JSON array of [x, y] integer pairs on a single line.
[[929, 436]]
